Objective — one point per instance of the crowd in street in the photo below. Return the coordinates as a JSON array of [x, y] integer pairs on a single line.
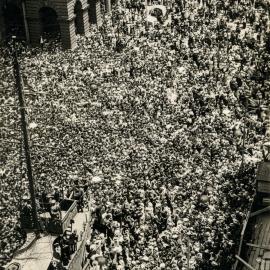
[[165, 123]]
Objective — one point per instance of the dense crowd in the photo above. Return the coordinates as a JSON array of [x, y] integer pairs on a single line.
[[165, 123]]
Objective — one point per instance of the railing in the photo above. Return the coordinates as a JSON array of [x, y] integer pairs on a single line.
[[261, 211], [79, 261], [243, 231], [245, 263]]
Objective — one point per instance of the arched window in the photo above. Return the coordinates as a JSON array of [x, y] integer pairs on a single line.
[[79, 18], [92, 11], [13, 19], [50, 27]]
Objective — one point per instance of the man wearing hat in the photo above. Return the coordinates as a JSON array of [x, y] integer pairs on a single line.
[[55, 265], [26, 212], [45, 200], [57, 251], [78, 196], [26, 208], [56, 194], [73, 239], [65, 249]]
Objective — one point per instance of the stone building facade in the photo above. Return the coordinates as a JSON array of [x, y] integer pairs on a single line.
[[64, 18], [71, 16]]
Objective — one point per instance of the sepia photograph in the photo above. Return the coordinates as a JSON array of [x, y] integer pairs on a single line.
[[134, 134]]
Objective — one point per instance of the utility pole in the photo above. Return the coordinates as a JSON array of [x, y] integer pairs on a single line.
[[19, 90]]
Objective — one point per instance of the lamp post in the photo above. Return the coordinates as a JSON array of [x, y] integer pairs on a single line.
[[19, 89]]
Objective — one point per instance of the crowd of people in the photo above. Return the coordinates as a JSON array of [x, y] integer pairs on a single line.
[[165, 122]]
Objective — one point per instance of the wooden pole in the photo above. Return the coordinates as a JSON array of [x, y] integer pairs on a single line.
[[260, 211], [19, 88], [258, 246], [244, 262]]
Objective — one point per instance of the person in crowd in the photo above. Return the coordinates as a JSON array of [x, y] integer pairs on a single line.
[[26, 208], [55, 210], [78, 196], [55, 265], [73, 240], [56, 194], [57, 252], [65, 249]]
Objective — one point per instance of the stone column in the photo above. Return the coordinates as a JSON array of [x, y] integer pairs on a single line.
[[68, 35], [98, 13]]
